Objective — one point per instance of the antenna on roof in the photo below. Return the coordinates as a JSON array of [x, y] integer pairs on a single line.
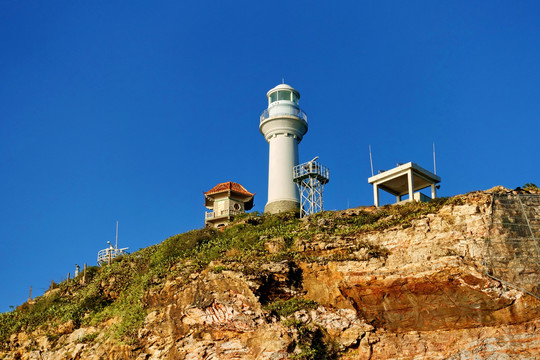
[[116, 244], [371, 160], [283, 80], [434, 163]]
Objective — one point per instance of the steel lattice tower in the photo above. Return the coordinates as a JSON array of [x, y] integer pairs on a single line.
[[310, 177]]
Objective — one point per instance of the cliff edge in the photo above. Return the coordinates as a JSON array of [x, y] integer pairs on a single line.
[[406, 281]]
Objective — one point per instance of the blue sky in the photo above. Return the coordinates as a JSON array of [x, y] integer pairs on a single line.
[[128, 111]]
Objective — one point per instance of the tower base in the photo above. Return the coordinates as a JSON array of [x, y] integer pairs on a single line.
[[282, 206]]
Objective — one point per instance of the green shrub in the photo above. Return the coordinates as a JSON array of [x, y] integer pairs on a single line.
[[45, 310], [182, 245], [91, 272], [313, 343], [8, 326], [88, 338], [284, 308], [218, 269]]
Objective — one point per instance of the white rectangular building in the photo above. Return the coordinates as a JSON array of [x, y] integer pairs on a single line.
[[404, 179]]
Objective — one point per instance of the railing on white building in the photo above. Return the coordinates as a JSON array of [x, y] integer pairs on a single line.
[[222, 213]]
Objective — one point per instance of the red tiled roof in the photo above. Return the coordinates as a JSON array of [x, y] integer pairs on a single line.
[[226, 186]]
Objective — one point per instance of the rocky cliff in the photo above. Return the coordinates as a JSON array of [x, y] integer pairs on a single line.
[[398, 282]]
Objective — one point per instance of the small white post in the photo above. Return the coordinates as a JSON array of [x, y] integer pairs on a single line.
[[376, 195], [433, 191], [411, 185]]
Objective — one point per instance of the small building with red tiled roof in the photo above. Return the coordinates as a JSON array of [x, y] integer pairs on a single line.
[[226, 200]]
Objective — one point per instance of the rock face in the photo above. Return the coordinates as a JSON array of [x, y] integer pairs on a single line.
[[428, 297]]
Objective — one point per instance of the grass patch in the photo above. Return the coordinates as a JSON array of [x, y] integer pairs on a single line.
[[285, 308], [220, 268], [88, 338], [362, 221]]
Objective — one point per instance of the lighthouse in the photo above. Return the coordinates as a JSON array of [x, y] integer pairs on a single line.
[[283, 125]]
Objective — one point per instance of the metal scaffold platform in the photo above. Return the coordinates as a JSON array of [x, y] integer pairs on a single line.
[[106, 256], [511, 249], [310, 177]]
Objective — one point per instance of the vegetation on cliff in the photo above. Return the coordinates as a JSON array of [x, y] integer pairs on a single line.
[[118, 291]]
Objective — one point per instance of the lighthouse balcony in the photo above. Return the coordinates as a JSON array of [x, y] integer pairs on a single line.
[[283, 111]]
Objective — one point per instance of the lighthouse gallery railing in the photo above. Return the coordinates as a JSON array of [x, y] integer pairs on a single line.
[[292, 112]]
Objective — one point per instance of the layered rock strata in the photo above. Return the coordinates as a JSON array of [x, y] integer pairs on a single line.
[[428, 297]]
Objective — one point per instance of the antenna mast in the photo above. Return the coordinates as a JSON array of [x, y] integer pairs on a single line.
[[370, 160], [434, 163], [107, 255]]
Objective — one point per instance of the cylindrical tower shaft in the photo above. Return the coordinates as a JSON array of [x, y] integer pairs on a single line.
[[283, 125], [282, 191]]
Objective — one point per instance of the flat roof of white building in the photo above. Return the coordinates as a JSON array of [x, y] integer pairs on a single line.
[[395, 180]]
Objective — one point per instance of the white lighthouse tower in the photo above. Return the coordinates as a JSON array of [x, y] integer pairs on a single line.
[[283, 125]]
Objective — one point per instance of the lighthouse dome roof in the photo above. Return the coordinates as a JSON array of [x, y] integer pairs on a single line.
[[283, 87]]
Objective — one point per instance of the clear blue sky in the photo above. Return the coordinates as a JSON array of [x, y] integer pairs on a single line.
[[128, 111]]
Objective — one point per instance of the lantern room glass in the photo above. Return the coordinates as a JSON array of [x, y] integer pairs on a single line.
[[284, 95]]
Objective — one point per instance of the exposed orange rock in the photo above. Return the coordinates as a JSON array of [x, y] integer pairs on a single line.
[[428, 298]]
